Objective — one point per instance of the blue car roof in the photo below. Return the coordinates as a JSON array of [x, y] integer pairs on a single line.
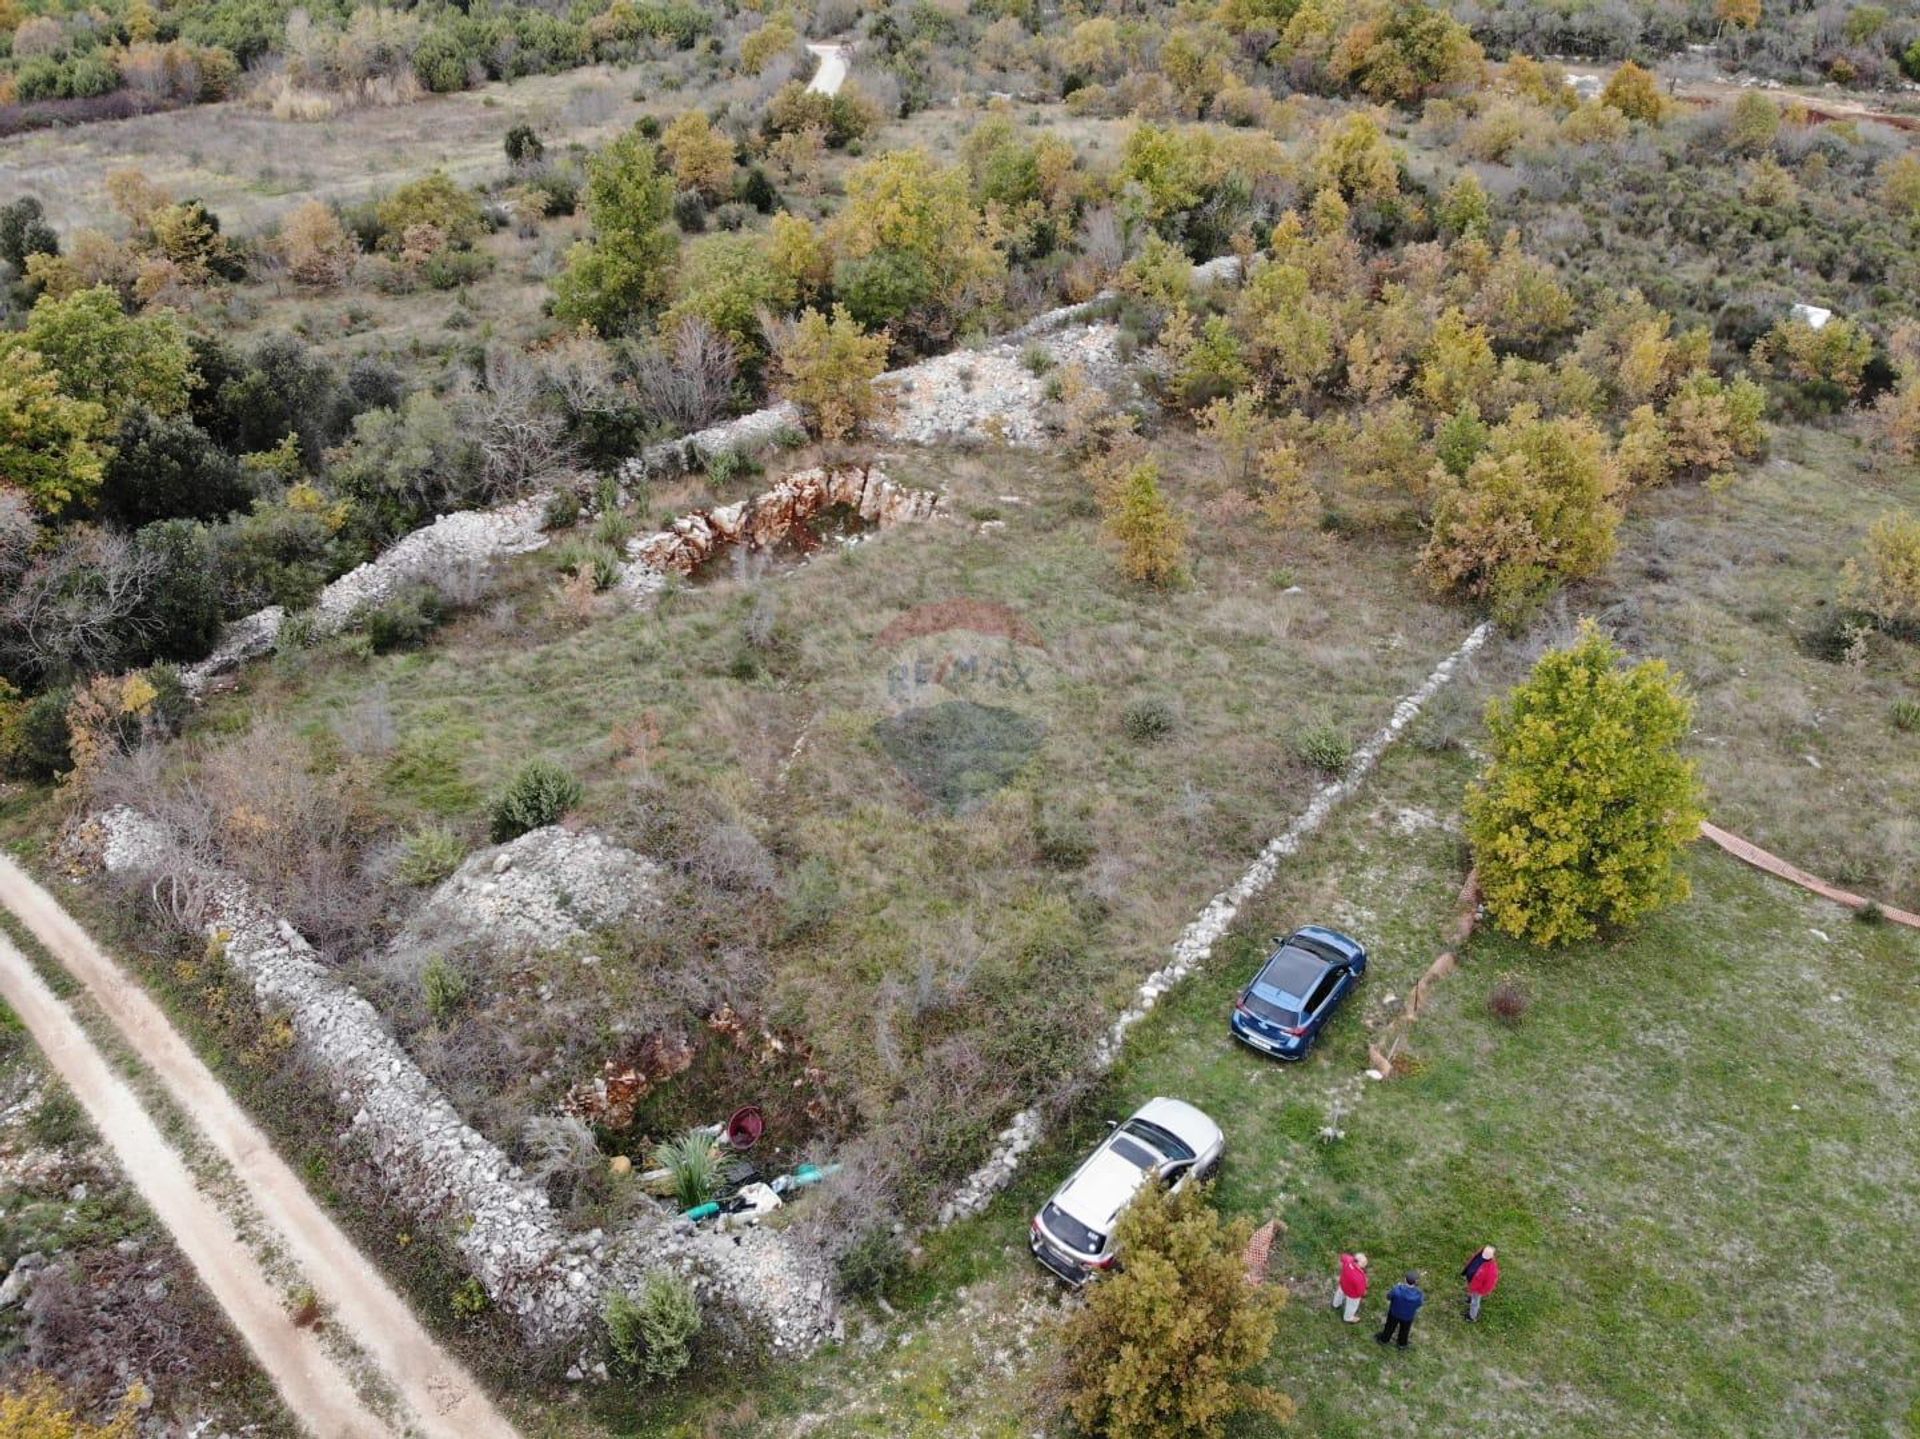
[[1289, 976]]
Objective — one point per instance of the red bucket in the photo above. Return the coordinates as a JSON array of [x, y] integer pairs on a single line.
[[744, 1127]]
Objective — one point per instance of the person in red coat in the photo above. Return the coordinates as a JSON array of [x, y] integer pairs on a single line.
[[1351, 1287], [1482, 1274]]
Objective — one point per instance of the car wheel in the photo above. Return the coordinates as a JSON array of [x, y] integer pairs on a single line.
[[1212, 1168]]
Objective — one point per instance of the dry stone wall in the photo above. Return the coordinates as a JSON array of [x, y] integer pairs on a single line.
[[437, 1169]]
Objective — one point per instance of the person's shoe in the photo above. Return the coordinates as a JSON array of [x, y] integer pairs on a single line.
[[1354, 1320], [1379, 1339], [1401, 1345]]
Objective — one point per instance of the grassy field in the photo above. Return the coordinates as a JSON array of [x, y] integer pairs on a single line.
[[1695, 1150], [772, 718]]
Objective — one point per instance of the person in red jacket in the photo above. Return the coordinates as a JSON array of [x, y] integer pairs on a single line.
[[1482, 1274], [1351, 1287]]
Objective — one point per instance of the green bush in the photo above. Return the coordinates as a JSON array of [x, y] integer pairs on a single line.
[[405, 621], [694, 1163], [443, 987], [1325, 747], [538, 795], [813, 897], [652, 1336], [1148, 720], [1906, 715], [429, 855], [1064, 841], [873, 1261]]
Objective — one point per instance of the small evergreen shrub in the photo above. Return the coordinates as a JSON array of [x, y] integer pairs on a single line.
[[429, 855], [443, 987], [1148, 720], [652, 1336], [1325, 747], [537, 796]]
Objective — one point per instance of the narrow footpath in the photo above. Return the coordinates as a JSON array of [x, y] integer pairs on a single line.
[[441, 1399]]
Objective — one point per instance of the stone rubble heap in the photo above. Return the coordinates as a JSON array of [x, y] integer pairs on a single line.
[[754, 1284], [774, 515], [465, 539], [993, 391], [1196, 941], [962, 393], [539, 891]]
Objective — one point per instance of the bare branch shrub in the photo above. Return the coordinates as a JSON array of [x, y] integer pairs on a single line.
[[686, 380], [81, 608], [522, 436]]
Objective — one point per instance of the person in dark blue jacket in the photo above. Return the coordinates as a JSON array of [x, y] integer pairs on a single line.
[[1403, 1302]]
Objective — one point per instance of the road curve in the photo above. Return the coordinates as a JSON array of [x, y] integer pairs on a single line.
[[832, 73], [443, 1401]]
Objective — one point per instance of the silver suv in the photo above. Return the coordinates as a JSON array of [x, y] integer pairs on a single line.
[[1165, 1140]]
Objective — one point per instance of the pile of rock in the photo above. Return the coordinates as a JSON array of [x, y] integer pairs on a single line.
[[773, 516], [466, 540], [539, 891], [438, 1170], [997, 392]]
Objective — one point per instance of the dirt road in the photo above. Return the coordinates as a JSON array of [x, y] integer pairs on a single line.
[[833, 69], [442, 1399]]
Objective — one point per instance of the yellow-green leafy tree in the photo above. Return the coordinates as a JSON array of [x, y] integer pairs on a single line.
[[1635, 92], [1885, 579], [625, 269], [827, 368], [110, 358], [1151, 535], [1578, 822], [1164, 1346], [52, 446], [1538, 506]]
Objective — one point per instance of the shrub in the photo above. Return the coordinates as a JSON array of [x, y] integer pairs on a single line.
[[1884, 580], [538, 795], [652, 1335], [1064, 841], [433, 200], [443, 987], [1148, 720], [470, 1300], [1151, 536], [693, 1162], [523, 146], [429, 855], [871, 1262], [405, 621], [623, 270], [827, 368], [1508, 1002], [1160, 1347], [1325, 747], [1579, 819], [1906, 716]]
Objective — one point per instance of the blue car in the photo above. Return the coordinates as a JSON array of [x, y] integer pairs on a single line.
[[1282, 1011]]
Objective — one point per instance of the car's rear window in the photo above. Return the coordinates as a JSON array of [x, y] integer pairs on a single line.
[[1071, 1231], [1272, 1013]]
